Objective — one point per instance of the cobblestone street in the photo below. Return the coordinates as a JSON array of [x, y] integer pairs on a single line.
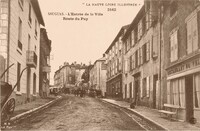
[[75, 113]]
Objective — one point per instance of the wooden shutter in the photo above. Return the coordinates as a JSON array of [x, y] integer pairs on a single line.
[[194, 33], [176, 45], [189, 37], [148, 86], [148, 51]]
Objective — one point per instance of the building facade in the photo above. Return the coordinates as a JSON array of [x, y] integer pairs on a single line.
[[19, 45], [114, 58], [141, 57], [181, 59], [69, 75], [45, 68], [98, 76]]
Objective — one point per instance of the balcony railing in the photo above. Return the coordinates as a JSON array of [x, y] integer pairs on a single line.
[[31, 60], [46, 69]]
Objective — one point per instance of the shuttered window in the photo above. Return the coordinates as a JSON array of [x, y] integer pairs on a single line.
[[174, 45], [192, 35]]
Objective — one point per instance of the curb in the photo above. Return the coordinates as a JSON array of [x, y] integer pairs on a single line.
[[139, 115], [32, 111]]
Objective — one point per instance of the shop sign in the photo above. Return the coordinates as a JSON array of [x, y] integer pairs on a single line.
[[185, 66]]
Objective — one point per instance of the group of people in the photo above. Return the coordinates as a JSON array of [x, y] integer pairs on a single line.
[[79, 92]]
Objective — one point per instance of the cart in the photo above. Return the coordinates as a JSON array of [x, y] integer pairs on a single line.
[[7, 101]]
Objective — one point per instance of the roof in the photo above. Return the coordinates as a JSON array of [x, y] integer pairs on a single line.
[[37, 10], [118, 35], [134, 22], [101, 59]]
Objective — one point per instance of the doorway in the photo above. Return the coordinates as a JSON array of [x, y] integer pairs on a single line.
[[189, 97], [155, 80], [137, 87]]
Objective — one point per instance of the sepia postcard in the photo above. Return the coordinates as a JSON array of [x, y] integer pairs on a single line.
[[100, 64]]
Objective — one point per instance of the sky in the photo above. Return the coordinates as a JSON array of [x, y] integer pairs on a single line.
[[84, 40]]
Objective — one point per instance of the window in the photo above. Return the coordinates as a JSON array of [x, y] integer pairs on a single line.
[[148, 20], [174, 45], [126, 66], [130, 60], [144, 48], [197, 91], [128, 43], [192, 35], [29, 14], [155, 45], [176, 92], [18, 75], [139, 29], [147, 51], [20, 34], [140, 61], [173, 8], [136, 58], [136, 34], [133, 60], [143, 25], [116, 66]]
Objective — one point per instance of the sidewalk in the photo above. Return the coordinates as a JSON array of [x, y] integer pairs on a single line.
[[154, 115], [33, 106]]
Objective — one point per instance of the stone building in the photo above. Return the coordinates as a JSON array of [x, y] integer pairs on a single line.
[[69, 75], [141, 57], [65, 76], [98, 75], [181, 56], [114, 58], [19, 45], [45, 68]]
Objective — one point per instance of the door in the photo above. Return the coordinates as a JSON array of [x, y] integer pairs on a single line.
[[34, 84], [189, 97], [125, 91], [130, 89], [137, 86], [28, 83], [155, 86]]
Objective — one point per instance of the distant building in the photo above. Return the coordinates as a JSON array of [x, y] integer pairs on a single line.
[[20, 45], [98, 75], [114, 61], [69, 75], [45, 68]]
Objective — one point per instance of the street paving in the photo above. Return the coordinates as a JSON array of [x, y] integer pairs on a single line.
[[76, 113]]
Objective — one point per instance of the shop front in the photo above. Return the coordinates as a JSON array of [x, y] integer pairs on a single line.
[[114, 87], [183, 87]]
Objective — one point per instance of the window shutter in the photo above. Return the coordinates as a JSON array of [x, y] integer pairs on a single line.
[[141, 54], [176, 45], [148, 51], [189, 37], [148, 86], [195, 33], [132, 38], [168, 93]]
